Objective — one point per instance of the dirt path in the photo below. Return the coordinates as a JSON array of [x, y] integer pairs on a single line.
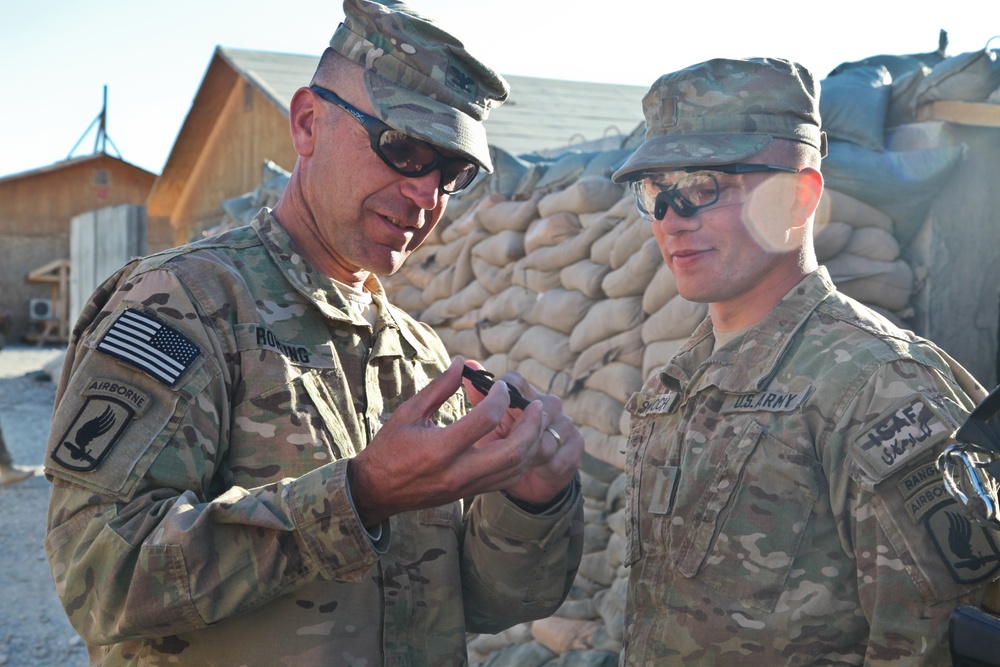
[[34, 631]]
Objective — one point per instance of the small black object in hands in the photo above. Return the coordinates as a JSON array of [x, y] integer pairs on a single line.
[[483, 380]]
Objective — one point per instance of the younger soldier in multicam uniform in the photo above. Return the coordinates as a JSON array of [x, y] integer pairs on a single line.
[[783, 504], [257, 460]]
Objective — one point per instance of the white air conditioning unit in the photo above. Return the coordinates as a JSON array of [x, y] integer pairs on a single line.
[[41, 309]]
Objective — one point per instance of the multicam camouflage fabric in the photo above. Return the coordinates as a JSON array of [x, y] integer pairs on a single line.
[[421, 80], [206, 521], [783, 503], [723, 111]]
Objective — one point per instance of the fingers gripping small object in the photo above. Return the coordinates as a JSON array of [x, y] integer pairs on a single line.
[[483, 380]]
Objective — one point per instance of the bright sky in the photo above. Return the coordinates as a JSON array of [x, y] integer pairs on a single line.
[[57, 55]]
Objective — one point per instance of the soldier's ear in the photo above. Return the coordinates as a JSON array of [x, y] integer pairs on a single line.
[[808, 190], [302, 121]]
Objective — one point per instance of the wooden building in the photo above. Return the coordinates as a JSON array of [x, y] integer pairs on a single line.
[[239, 119], [35, 225]]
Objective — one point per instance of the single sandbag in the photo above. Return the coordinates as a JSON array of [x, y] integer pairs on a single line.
[[559, 309], [551, 230], [494, 278], [500, 338], [966, 77], [449, 253], [661, 289], [470, 320], [837, 205], [873, 243], [678, 319], [633, 277], [609, 449], [463, 274], [465, 343], [419, 268], [831, 239], [569, 251], [885, 284], [600, 251], [548, 346], [501, 248], [440, 287], [469, 220], [628, 243], [594, 409], [498, 364], [616, 379], [658, 353], [586, 195], [585, 276], [533, 279], [510, 304], [605, 319], [545, 379], [470, 297], [625, 347], [411, 299], [510, 215]]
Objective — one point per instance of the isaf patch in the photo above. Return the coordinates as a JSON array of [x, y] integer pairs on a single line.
[[155, 348], [895, 439]]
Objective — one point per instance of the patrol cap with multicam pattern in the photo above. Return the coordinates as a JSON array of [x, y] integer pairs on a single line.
[[420, 79], [724, 111]]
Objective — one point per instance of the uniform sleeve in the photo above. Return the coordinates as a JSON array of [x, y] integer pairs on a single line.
[[917, 555], [517, 566], [145, 535]]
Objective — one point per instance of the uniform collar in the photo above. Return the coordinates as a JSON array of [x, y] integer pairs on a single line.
[[319, 289], [746, 365]]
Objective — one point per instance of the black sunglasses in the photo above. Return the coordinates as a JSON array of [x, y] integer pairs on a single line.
[[689, 195], [405, 155]]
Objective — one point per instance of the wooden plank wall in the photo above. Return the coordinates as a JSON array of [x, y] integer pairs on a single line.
[[100, 243]]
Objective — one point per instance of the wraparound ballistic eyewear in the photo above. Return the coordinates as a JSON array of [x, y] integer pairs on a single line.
[[404, 154]]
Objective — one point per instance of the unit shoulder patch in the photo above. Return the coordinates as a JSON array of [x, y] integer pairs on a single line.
[[96, 428]]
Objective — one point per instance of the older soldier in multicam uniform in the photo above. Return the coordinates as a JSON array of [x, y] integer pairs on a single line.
[[783, 505], [257, 460]]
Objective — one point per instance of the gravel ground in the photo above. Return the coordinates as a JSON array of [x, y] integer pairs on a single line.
[[34, 631]]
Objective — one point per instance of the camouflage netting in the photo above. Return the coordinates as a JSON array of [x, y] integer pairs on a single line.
[[546, 268]]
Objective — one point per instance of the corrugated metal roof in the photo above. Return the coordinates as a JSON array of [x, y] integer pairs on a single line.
[[540, 113]]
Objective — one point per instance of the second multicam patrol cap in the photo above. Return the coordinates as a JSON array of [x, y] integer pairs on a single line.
[[724, 111], [420, 79]]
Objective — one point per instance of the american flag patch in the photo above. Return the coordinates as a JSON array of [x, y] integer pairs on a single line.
[[150, 346]]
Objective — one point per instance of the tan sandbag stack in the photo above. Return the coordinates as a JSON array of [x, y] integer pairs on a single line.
[[856, 244]]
